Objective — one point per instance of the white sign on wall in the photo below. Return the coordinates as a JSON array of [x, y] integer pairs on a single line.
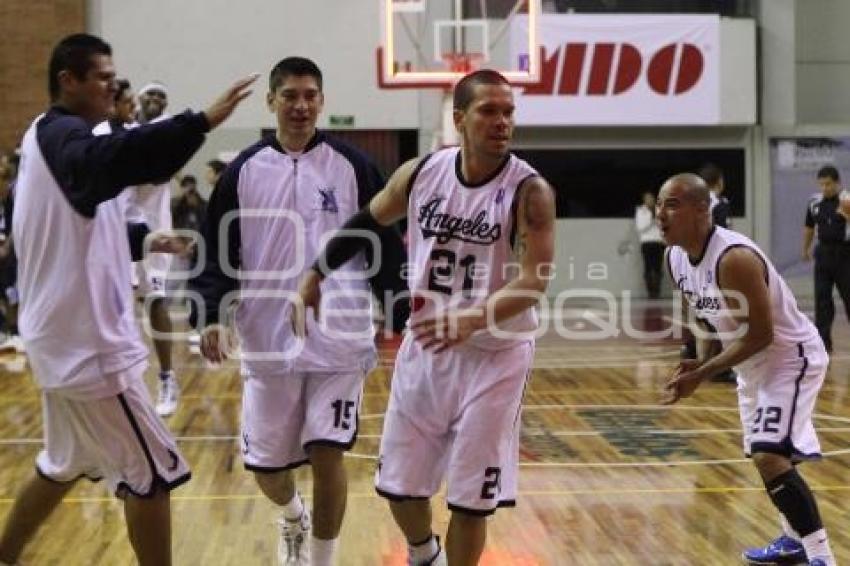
[[622, 70]]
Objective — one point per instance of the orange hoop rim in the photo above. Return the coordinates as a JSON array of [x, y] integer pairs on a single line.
[[462, 62]]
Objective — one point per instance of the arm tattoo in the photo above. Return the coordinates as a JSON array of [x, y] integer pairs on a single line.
[[521, 245]]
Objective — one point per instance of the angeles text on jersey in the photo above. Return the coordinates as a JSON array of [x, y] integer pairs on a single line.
[[446, 227], [702, 304]]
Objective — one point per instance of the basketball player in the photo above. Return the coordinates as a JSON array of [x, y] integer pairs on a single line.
[[298, 407], [77, 318], [737, 294], [481, 240], [154, 199], [124, 111], [122, 117]]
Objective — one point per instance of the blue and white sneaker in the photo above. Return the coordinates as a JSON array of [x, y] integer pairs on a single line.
[[817, 562], [782, 551]]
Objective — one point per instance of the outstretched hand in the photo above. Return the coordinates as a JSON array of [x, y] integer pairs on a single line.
[[684, 381], [216, 343], [224, 106], [166, 243]]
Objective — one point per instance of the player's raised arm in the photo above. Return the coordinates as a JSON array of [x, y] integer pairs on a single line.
[[390, 204]]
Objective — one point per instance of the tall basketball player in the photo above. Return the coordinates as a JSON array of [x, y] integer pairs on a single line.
[[481, 239], [71, 236], [781, 362], [298, 407]]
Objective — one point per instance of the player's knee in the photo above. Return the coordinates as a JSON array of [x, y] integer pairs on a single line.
[[275, 482], [468, 521], [771, 465], [417, 507], [158, 495]]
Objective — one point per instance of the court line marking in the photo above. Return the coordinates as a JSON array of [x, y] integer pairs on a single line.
[[656, 464], [4, 399], [532, 433], [671, 463], [637, 430], [660, 464], [530, 493]]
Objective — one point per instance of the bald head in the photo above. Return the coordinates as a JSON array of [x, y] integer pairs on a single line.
[[684, 212], [690, 187]]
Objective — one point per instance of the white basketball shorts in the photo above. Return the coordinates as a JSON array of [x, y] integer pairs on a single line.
[[777, 400], [118, 438], [283, 415], [454, 415]]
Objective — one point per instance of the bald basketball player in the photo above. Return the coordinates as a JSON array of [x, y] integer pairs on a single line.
[[737, 295]]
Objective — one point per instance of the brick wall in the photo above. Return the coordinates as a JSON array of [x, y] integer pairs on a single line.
[[28, 31]]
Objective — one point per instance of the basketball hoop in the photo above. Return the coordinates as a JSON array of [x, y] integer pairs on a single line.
[[463, 63], [433, 44]]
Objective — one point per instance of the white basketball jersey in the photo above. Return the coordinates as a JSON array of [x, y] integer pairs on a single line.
[[76, 315], [460, 240], [698, 283]]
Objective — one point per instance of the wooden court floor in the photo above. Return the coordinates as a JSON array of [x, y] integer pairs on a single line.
[[608, 477]]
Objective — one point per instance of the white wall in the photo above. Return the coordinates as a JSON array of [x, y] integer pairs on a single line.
[[738, 71], [777, 24], [198, 47], [823, 61]]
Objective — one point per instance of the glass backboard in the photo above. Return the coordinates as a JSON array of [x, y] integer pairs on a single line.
[[432, 43]]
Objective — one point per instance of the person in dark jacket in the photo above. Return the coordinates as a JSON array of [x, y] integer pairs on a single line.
[[826, 218]]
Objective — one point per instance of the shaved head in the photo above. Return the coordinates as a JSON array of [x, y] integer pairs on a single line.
[[692, 188], [683, 212]]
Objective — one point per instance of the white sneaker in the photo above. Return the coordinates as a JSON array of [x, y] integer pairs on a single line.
[[167, 396], [293, 548], [438, 559]]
